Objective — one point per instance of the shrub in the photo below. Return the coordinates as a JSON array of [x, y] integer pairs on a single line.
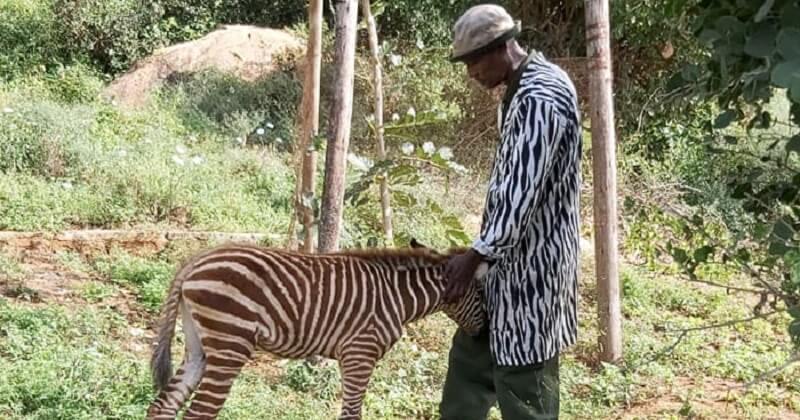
[[238, 108], [42, 138], [115, 33], [30, 37]]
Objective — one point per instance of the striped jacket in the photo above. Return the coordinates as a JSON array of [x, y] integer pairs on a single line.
[[530, 228]]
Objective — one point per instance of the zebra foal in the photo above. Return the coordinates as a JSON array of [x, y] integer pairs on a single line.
[[350, 306]]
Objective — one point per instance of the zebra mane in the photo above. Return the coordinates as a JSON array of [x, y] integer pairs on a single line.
[[401, 258], [398, 258]]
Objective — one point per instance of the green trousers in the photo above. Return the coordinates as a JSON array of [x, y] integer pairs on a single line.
[[475, 383]]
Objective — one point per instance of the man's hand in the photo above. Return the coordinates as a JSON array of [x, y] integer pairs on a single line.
[[460, 272]]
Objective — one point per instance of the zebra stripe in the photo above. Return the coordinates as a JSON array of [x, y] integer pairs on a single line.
[[351, 306]]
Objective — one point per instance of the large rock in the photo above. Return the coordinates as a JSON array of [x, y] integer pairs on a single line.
[[248, 52]]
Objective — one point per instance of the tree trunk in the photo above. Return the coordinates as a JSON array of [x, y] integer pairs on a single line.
[[339, 127], [307, 155], [605, 179], [386, 206]]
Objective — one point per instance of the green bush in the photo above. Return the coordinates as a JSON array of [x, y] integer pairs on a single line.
[[115, 33], [233, 107], [42, 137], [201, 15], [31, 39], [430, 21]]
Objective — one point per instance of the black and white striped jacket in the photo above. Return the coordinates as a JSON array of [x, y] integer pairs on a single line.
[[530, 228]]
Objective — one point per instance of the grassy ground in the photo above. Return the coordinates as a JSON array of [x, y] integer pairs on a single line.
[[75, 330], [78, 349]]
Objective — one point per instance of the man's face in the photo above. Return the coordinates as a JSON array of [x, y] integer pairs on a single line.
[[489, 69]]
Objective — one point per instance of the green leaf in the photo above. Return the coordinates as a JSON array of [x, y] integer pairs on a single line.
[[790, 15], [764, 10], [725, 119], [701, 254], [794, 311], [743, 255], [778, 248], [761, 43], [742, 190], [403, 199], [765, 120], [452, 222], [729, 25], [789, 43], [680, 256], [435, 208], [709, 36], [794, 329], [793, 145], [795, 111], [786, 73], [783, 230], [794, 91], [457, 237]]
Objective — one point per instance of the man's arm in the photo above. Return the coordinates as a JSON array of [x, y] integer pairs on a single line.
[[533, 131]]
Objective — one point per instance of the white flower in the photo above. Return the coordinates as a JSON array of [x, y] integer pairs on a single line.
[[414, 348], [428, 148], [420, 44], [197, 160], [395, 117], [178, 161], [446, 153], [456, 167], [232, 90], [412, 112], [180, 149], [239, 140], [136, 332], [270, 126], [278, 140], [395, 59], [360, 163], [260, 131], [371, 117], [401, 373], [8, 110], [66, 185], [148, 141], [122, 153], [407, 148]]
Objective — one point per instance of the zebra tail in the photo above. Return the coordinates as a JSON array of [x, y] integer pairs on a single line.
[[161, 360]]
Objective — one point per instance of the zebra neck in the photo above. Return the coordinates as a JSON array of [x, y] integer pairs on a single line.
[[418, 292]]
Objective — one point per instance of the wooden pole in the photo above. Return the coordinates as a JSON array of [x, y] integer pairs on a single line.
[[339, 127], [386, 206], [311, 121], [605, 179]]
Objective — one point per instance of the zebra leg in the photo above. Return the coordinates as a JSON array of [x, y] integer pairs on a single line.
[[185, 380], [222, 368], [356, 372], [357, 362]]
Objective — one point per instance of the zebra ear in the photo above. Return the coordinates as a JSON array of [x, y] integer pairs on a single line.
[[413, 243]]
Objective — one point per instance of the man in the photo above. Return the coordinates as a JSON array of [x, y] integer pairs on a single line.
[[529, 234]]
